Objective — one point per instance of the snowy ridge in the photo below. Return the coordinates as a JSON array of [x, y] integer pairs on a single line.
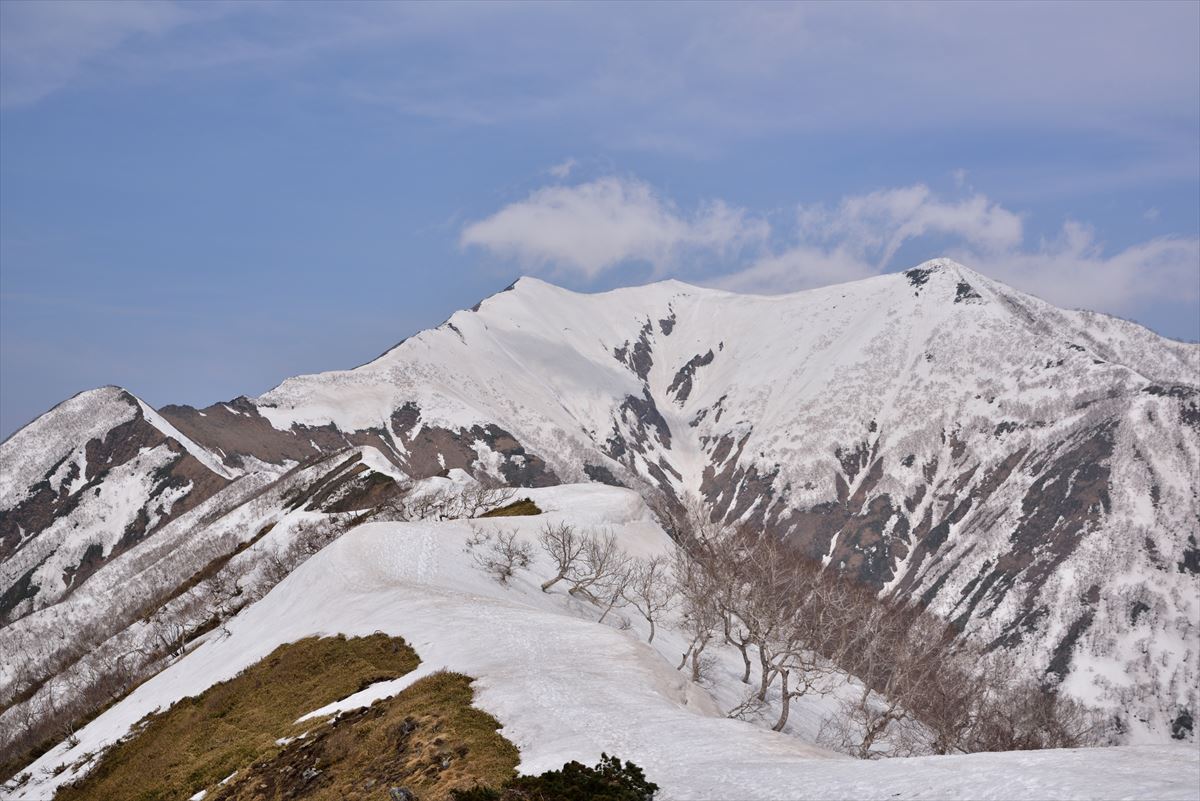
[[565, 687], [33, 449], [203, 455], [85, 482]]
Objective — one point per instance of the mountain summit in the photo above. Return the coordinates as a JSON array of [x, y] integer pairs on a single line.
[[1025, 471]]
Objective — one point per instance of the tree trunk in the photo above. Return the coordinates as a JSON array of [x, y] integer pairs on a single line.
[[683, 661], [609, 608], [546, 587], [766, 674], [746, 660], [786, 698], [696, 651], [650, 639]]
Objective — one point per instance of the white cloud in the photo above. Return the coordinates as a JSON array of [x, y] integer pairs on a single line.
[[861, 235], [562, 170], [591, 227], [594, 227], [1073, 270], [877, 224]]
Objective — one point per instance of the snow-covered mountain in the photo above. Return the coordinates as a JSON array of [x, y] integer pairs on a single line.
[[1027, 472], [83, 483]]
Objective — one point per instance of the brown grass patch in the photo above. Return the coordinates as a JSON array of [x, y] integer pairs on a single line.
[[201, 740], [520, 508], [428, 739]]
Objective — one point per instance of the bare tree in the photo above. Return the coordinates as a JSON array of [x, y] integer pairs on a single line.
[[600, 566], [650, 590], [219, 595], [482, 497], [565, 546], [672, 515], [499, 554], [455, 502], [700, 616]]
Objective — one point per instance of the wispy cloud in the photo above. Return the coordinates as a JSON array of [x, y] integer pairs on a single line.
[[45, 47], [1075, 270], [862, 234], [597, 227], [563, 169], [592, 227], [654, 78], [879, 223]]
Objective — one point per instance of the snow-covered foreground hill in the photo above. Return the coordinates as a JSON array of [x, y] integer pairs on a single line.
[[566, 687]]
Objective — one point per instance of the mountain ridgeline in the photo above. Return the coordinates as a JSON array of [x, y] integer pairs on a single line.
[[1026, 472]]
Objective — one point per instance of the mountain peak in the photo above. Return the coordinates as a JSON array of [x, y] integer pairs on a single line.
[[939, 267], [941, 263]]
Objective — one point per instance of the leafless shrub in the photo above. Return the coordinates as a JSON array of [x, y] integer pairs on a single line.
[[499, 554], [169, 634], [564, 544], [600, 571], [650, 590], [921, 689], [458, 502], [700, 615], [751, 707], [671, 515], [482, 497]]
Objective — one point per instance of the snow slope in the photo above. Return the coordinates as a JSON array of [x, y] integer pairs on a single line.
[[934, 433], [85, 482], [1030, 473], [565, 687]]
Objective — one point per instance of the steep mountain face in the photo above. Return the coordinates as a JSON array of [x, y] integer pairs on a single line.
[[1029, 473], [84, 483]]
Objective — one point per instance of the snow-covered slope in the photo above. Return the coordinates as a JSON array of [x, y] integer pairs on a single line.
[[565, 687], [85, 482], [1028, 472], [934, 433]]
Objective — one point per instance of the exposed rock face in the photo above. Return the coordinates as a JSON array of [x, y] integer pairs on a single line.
[[1027, 472], [432, 450], [681, 384]]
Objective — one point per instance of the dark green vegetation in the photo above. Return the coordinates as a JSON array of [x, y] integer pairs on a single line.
[[608, 781], [520, 508]]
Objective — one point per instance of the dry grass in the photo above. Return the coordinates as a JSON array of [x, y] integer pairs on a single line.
[[428, 739], [520, 508], [203, 739]]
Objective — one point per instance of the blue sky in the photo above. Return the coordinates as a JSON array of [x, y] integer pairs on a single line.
[[200, 199]]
